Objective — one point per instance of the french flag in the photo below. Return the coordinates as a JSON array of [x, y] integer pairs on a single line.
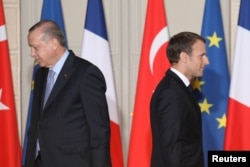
[[238, 126], [95, 48]]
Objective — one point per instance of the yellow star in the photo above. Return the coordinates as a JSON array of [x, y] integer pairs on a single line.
[[222, 121], [205, 106], [196, 84], [214, 40]]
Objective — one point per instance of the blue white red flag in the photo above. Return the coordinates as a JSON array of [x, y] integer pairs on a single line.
[[95, 48], [238, 127]]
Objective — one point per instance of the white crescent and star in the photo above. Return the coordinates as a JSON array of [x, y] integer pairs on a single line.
[[2, 106], [3, 36], [160, 39]]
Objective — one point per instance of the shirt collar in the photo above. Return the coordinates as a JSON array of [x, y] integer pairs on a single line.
[[182, 77], [58, 66]]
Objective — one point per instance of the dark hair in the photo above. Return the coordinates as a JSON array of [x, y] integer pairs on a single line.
[[50, 30], [181, 42]]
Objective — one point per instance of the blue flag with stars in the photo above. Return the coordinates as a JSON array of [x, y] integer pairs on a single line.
[[213, 86]]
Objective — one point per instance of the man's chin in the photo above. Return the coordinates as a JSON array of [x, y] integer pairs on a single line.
[[40, 64], [200, 74]]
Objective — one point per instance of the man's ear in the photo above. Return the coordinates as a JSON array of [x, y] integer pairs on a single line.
[[183, 57], [54, 43]]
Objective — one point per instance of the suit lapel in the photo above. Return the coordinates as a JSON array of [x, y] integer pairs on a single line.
[[40, 85], [62, 78], [193, 100]]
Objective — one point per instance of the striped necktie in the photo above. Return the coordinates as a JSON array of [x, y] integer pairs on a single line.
[[49, 85]]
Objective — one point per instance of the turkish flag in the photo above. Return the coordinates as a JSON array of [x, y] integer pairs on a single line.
[[153, 65], [10, 149]]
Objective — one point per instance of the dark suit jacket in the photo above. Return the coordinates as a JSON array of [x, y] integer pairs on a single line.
[[176, 125], [73, 128]]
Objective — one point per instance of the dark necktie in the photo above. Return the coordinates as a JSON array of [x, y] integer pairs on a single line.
[[49, 85]]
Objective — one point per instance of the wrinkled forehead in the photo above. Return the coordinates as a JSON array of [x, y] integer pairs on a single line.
[[35, 34], [35, 37], [35, 31]]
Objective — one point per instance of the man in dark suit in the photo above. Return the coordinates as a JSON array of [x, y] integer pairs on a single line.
[[174, 112], [71, 128]]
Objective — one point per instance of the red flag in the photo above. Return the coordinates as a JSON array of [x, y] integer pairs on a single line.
[[237, 129], [10, 149], [153, 65]]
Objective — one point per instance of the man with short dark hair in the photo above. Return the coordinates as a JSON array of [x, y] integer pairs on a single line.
[[174, 113]]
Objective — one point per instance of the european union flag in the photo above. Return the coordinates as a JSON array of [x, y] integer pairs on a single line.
[[51, 10], [214, 84]]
